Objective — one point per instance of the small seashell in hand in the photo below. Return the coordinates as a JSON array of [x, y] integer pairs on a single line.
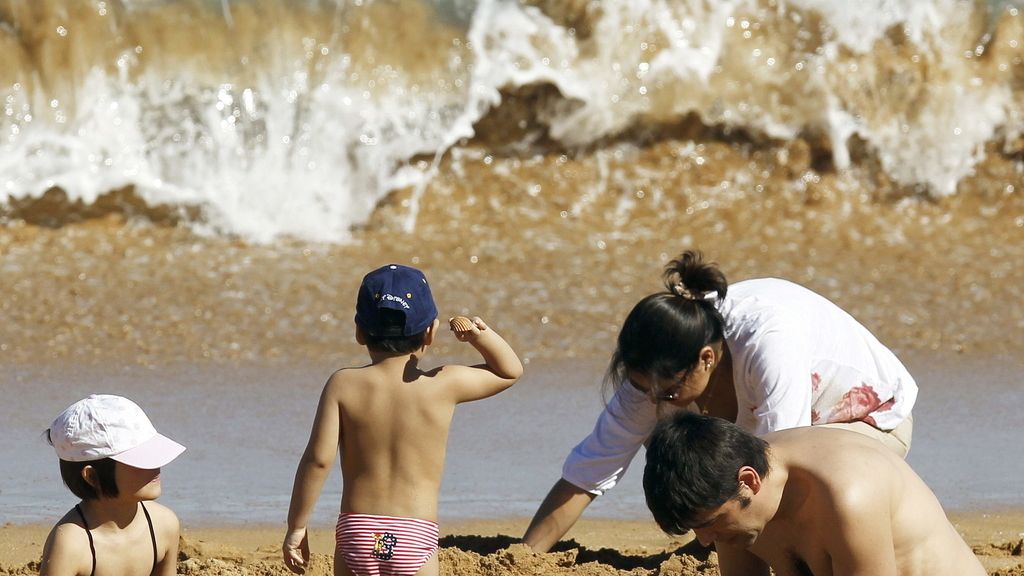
[[461, 324]]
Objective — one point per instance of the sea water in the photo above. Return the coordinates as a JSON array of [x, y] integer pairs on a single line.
[[245, 429]]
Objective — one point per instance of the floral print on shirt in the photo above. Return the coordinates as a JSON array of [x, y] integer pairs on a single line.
[[857, 404]]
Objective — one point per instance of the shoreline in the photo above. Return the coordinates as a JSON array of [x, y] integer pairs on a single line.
[[592, 547]]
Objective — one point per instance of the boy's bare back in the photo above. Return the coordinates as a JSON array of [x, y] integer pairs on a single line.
[[394, 420]]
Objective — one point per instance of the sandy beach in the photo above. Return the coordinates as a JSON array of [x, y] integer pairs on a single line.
[[188, 203], [491, 547]]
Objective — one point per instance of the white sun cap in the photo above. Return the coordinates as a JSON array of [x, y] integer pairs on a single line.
[[107, 426]]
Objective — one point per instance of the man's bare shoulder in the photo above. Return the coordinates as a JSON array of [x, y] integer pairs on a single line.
[[849, 472]]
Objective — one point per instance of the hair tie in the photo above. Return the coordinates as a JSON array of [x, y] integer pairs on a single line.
[[680, 289]]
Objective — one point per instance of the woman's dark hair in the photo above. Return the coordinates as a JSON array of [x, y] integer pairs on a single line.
[[664, 333], [692, 466], [390, 338], [71, 474]]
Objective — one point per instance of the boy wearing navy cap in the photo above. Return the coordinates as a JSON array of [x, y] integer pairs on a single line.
[[390, 420]]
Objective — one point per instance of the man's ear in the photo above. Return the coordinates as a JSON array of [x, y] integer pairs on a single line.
[[428, 338], [749, 477], [360, 335]]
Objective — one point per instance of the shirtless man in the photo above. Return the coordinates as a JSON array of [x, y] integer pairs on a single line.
[[806, 501]]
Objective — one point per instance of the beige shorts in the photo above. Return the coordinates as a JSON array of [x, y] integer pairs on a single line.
[[897, 440]]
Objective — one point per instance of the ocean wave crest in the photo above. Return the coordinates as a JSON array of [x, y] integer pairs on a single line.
[[279, 119]]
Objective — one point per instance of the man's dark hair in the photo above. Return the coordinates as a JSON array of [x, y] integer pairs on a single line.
[[389, 338], [692, 466]]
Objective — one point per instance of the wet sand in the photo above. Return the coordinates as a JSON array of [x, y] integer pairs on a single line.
[[490, 547], [552, 249]]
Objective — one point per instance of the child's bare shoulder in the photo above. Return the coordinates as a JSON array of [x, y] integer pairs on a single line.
[[343, 376], [66, 547], [347, 378], [69, 529], [453, 373], [164, 518]]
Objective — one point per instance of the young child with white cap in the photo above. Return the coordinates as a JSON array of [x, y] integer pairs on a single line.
[[110, 457]]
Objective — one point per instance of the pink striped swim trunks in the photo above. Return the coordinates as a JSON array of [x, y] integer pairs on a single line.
[[374, 545]]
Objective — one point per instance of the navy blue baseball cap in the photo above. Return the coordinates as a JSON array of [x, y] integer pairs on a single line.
[[395, 287]]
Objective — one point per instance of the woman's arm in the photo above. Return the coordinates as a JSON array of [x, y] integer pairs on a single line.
[[595, 465], [557, 513]]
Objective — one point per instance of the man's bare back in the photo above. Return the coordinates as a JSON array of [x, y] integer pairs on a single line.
[[832, 503], [853, 507]]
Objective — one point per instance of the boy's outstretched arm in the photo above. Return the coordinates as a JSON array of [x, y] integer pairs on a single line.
[[501, 367], [314, 467]]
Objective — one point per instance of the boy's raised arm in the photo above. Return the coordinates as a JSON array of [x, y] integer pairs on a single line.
[[501, 367], [314, 467]]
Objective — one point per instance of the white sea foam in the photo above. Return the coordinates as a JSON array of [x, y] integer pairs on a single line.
[[296, 149]]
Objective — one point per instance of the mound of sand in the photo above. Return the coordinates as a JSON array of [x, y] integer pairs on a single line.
[[515, 560], [467, 555]]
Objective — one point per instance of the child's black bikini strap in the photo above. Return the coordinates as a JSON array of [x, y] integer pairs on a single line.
[[152, 534], [92, 548]]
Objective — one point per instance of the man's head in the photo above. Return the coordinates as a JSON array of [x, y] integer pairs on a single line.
[[394, 309], [702, 474]]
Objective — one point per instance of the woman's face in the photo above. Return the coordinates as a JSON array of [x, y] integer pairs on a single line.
[[137, 483], [681, 390]]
